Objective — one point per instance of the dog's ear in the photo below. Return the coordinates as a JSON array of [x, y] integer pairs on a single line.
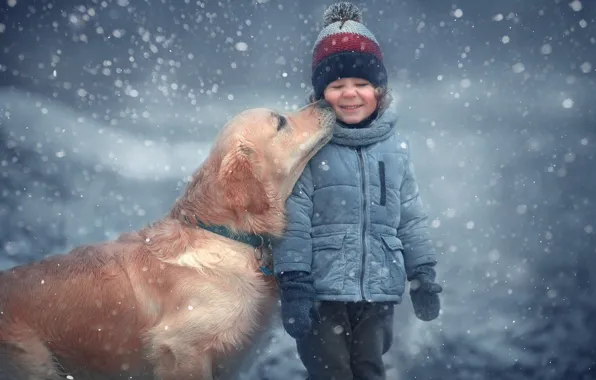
[[241, 187]]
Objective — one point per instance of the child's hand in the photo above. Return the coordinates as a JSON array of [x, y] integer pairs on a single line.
[[297, 303], [425, 297]]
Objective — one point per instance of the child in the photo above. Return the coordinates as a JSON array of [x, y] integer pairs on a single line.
[[356, 226]]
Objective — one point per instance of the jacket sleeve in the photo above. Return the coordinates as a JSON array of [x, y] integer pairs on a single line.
[[413, 229], [293, 252]]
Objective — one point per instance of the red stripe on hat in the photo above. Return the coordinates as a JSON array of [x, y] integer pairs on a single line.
[[344, 42]]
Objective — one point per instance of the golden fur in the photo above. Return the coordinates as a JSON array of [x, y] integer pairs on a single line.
[[171, 297]]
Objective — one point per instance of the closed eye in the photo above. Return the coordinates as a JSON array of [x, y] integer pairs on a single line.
[[282, 122]]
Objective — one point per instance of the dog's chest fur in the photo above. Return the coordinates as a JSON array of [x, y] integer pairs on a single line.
[[228, 293]]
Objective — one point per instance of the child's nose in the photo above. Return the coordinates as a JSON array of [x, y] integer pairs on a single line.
[[349, 92]]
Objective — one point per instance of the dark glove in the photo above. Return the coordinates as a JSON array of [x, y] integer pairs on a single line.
[[297, 302], [425, 293]]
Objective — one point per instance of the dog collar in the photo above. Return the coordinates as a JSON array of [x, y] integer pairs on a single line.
[[258, 242]]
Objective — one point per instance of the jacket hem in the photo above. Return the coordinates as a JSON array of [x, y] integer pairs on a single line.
[[355, 298]]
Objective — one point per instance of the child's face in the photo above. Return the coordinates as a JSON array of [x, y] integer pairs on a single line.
[[352, 99]]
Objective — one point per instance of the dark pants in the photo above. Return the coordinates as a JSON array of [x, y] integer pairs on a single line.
[[348, 341]]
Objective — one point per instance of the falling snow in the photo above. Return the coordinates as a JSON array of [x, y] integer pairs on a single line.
[[519, 68], [576, 5], [241, 46]]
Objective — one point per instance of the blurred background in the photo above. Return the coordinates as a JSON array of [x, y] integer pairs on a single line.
[[107, 106]]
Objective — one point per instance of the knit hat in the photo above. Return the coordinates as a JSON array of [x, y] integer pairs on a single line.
[[345, 48]]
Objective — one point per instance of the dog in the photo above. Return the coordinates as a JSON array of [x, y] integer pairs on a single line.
[[181, 293]]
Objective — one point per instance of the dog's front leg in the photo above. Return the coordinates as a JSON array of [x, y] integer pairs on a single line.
[[184, 366], [176, 353]]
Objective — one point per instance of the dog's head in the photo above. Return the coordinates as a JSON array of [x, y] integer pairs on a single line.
[[257, 159]]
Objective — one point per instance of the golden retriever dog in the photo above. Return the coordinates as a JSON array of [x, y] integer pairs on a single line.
[[181, 293]]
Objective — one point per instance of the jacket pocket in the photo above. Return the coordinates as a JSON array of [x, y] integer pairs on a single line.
[[383, 185], [328, 263], [395, 282]]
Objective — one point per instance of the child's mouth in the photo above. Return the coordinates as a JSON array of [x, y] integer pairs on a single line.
[[350, 108]]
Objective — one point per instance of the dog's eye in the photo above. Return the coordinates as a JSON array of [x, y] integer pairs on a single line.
[[282, 122]]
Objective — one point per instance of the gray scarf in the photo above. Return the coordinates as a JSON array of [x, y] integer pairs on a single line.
[[380, 129]]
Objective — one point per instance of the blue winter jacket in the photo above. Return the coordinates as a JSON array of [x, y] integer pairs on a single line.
[[355, 217]]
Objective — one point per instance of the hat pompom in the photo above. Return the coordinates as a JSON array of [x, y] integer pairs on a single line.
[[342, 11]]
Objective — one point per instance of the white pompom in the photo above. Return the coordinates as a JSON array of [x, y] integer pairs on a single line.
[[342, 11]]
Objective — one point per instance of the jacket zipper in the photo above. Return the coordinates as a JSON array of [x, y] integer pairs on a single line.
[[363, 222], [383, 199]]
